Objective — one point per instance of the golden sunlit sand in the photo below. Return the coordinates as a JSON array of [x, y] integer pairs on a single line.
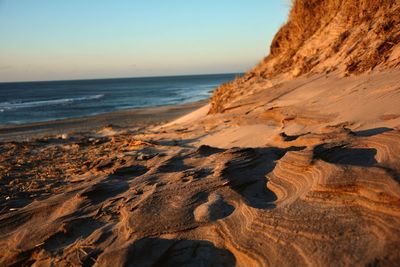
[[282, 168]]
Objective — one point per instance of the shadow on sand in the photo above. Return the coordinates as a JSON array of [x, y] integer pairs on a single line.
[[175, 252]]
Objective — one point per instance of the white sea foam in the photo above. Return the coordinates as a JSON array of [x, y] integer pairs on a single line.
[[30, 104]]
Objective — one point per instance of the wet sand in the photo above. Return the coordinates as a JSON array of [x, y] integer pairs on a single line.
[[131, 118]]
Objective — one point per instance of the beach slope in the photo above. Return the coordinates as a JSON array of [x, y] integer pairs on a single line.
[[280, 169]]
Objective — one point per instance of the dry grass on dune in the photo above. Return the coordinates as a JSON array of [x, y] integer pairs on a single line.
[[347, 36], [307, 17]]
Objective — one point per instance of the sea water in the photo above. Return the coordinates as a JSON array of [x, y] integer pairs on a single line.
[[26, 102]]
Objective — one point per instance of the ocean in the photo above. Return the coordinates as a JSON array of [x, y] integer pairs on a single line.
[[26, 102]]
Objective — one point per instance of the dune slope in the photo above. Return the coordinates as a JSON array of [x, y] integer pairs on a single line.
[[286, 171], [298, 174], [323, 36]]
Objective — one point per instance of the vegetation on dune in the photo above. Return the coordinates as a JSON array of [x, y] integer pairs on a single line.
[[321, 36]]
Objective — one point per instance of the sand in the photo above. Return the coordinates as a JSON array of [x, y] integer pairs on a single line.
[[305, 172], [130, 118], [297, 163]]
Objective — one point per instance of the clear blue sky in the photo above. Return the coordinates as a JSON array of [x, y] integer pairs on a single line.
[[74, 39]]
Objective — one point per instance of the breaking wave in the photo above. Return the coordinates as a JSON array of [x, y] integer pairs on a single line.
[[31, 104]]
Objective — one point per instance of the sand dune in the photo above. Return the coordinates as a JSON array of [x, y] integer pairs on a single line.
[[298, 179], [295, 164]]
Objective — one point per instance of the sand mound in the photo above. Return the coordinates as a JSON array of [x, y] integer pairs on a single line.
[[322, 36]]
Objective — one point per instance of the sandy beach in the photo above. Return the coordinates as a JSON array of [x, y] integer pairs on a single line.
[[288, 162], [132, 118], [295, 163]]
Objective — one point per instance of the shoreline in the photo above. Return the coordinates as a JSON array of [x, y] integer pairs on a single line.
[[129, 118]]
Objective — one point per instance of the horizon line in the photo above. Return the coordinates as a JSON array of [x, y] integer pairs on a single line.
[[124, 77]]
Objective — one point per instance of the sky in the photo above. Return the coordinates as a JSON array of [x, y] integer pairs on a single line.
[[86, 39]]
